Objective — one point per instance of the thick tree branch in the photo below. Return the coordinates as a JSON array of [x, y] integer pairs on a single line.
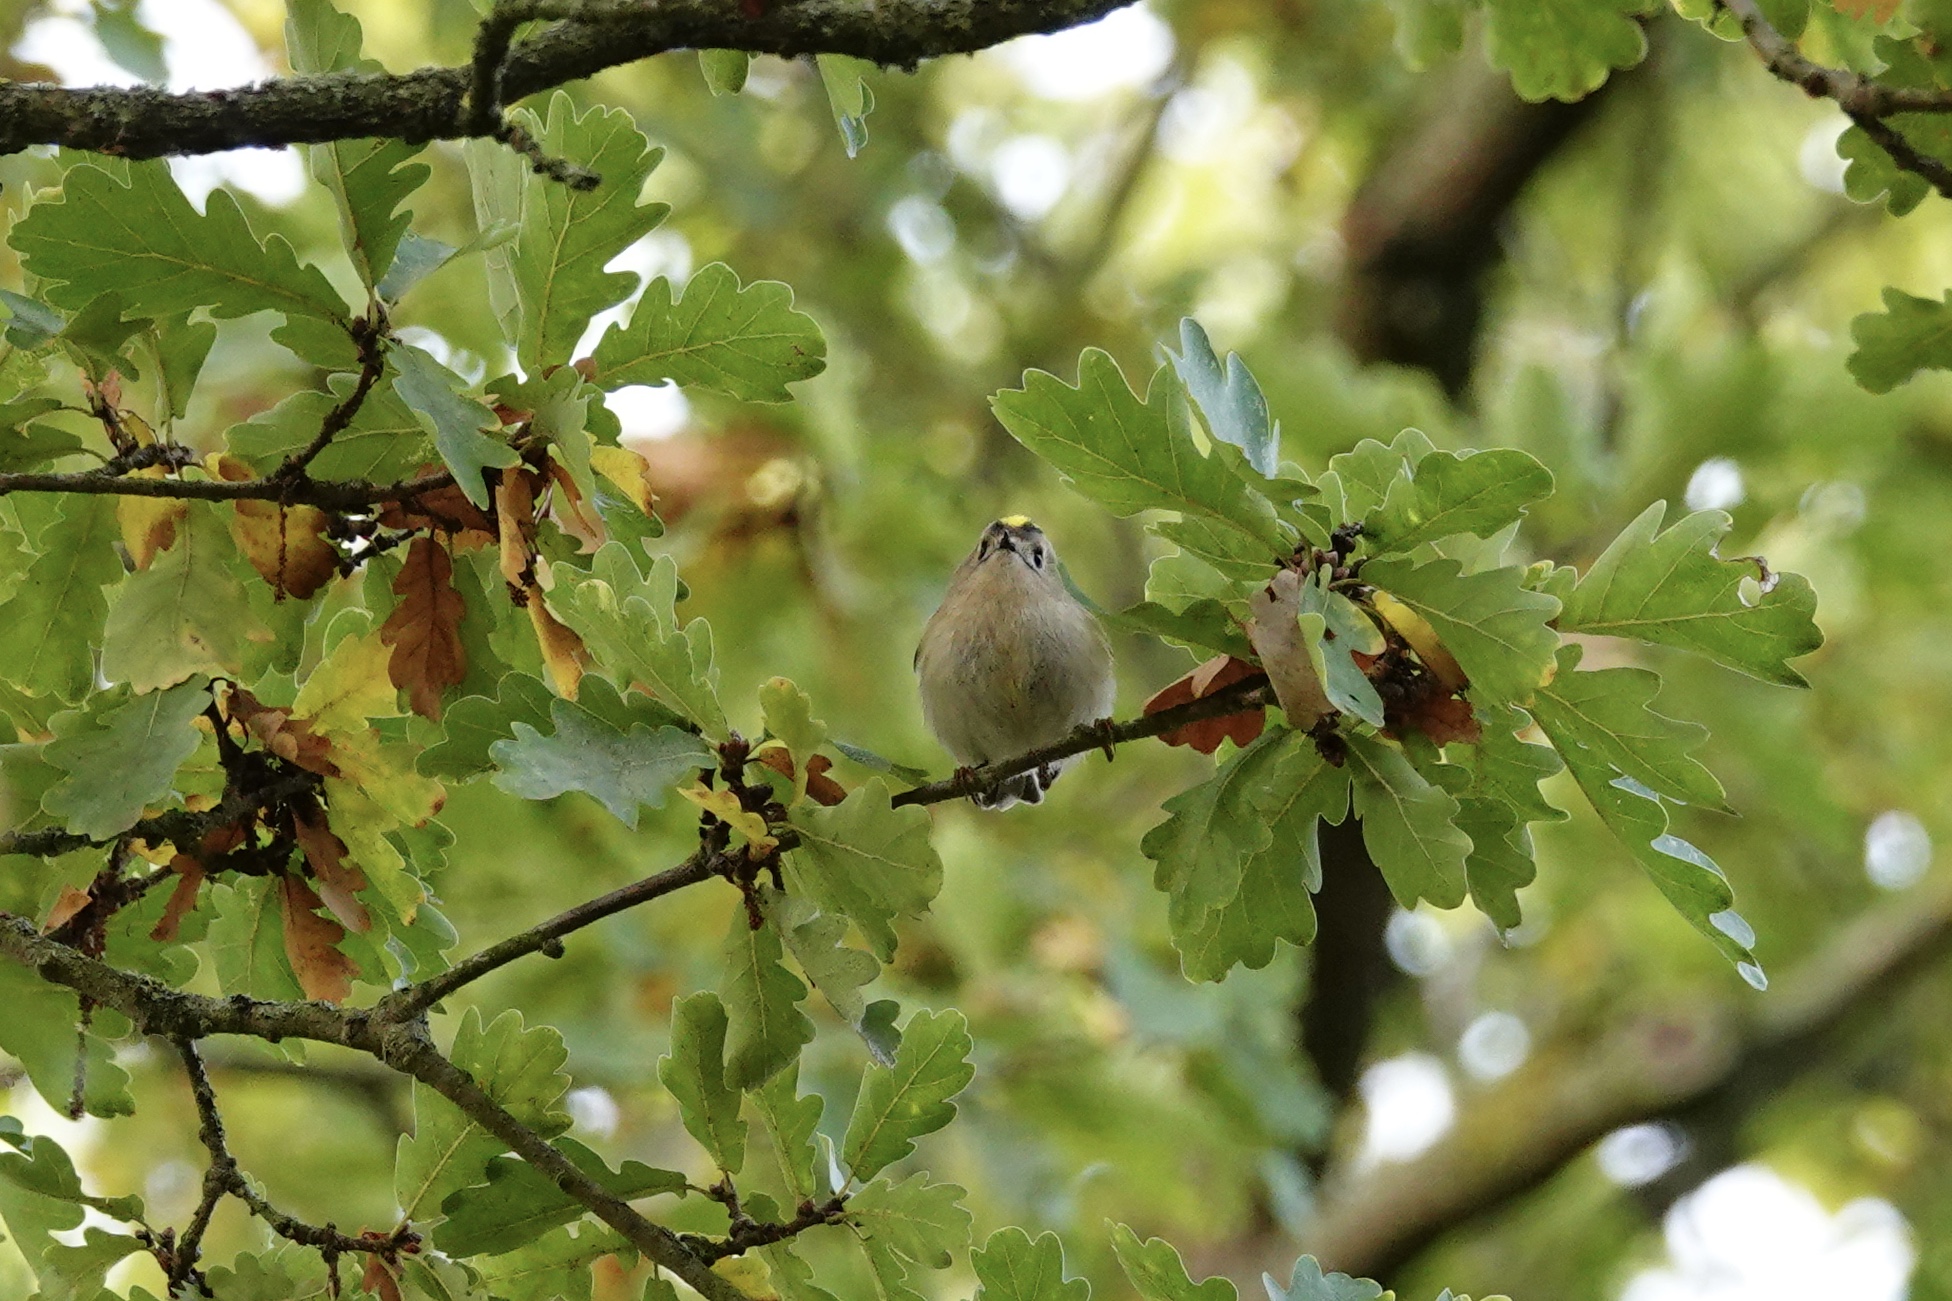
[[326, 494], [433, 103], [1520, 1133]]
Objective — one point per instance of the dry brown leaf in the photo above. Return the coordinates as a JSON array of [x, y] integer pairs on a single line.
[[1283, 651], [1207, 734], [182, 898], [562, 649], [286, 545], [323, 972], [291, 739], [445, 509], [70, 902], [515, 513], [339, 881], [630, 472], [573, 515], [821, 788], [149, 523], [1878, 11], [379, 1279], [424, 630]]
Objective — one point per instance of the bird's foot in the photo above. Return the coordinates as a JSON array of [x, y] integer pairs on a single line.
[[1107, 733]]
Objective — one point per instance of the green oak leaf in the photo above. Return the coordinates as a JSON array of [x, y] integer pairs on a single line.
[[1203, 626], [1408, 825], [1130, 456], [474, 723], [39, 1031], [747, 341], [1309, 1283], [26, 444], [555, 1267], [1498, 629], [518, 1066], [622, 770], [140, 238], [53, 621], [816, 941], [433, 393], [1451, 492], [1673, 589], [181, 346], [1911, 334], [725, 70], [1508, 770], [247, 940], [185, 614], [518, 1203], [385, 442], [790, 1121], [866, 861], [549, 281], [1210, 830], [765, 1028], [1604, 714], [1872, 172], [1011, 1267], [1228, 397], [627, 622], [914, 1222], [1691, 880], [898, 1104], [1563, 49], [849, 96], [792, 1276], [694, 1074], [122, 756], [788, 714], [1333, 629], [40, 1196], [1297, 792], [1158, 1274], [369, 179], [1365, 475]]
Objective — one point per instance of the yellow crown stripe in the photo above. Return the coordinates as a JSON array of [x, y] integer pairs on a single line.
[[1014, 521]]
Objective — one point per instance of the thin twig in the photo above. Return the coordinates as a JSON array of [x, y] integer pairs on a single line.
[[179, 827], [1854, 93], [370, 335], [1238, 697]]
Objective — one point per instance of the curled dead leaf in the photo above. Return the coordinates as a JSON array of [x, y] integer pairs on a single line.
[[311, 944], [1207, 734], [424, 630], [821, 788], [575, 516], [515, 519], [562, 650], [70, 902], [339, 881], [1276, 633], [182, 898], [149, 523]]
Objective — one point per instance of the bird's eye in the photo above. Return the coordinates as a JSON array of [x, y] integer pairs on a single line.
[[983, 549], [1037, 557]]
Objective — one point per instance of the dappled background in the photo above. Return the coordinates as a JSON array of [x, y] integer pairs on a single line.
[[1650, 291]]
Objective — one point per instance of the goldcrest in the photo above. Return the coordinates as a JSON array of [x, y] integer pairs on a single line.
[[1011, 661]]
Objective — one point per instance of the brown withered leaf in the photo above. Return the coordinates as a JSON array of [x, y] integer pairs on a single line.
[[339, 881], [562, 649], [149, 523], [182, 898], [575, 516], [515, 514], [379, 1279], [1207, 734], [286, 545], [821, 788], [291, 739], [446, 510], [1441, 717], [323, 972], [70, 902], [424, 630], [1878, 11], [1283, 652]]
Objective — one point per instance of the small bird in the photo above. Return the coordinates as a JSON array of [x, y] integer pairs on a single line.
[[1011, 661]]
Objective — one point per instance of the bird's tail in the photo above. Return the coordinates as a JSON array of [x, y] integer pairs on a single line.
[[1025, 788]]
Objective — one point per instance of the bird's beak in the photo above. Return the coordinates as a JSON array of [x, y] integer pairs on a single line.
[[1007, 543]]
